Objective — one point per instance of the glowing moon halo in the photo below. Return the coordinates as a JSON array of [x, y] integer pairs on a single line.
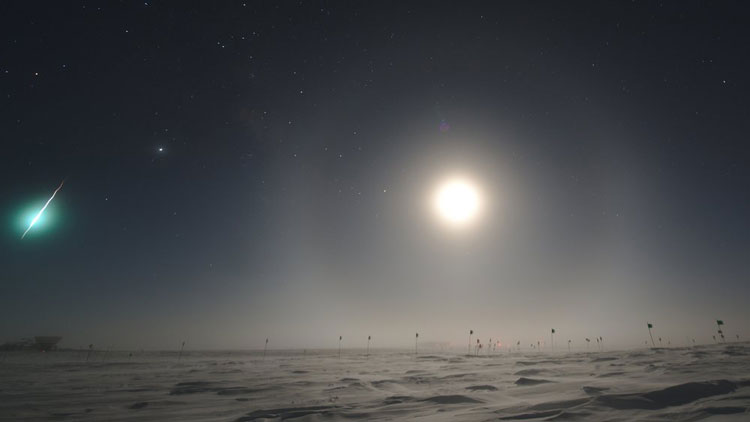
[[457, 202]]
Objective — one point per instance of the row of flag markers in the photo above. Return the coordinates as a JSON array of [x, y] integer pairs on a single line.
[[599, 340], [719, 323]]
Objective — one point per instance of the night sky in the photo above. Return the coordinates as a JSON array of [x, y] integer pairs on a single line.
[[241, 170]]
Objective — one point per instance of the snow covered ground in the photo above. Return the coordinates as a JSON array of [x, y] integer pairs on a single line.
[[704, 382]]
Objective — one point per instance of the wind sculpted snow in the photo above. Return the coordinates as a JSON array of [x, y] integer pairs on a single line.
[[661, 384]]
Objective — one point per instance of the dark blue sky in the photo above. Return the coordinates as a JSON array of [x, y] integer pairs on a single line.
[[300, 140]]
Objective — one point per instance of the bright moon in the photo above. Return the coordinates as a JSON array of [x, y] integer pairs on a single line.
[[457, 201]]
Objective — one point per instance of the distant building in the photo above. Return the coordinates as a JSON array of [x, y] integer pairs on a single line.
[[22, 344], [46, 343], [42, 343]]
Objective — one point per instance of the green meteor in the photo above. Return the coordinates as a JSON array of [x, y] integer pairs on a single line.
[[39, 214]]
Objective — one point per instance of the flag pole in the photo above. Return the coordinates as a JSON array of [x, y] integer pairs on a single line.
[[651, 335], [552, 339], [179, 356]]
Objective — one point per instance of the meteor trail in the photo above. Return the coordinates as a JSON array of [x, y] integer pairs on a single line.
[[39, 214]]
